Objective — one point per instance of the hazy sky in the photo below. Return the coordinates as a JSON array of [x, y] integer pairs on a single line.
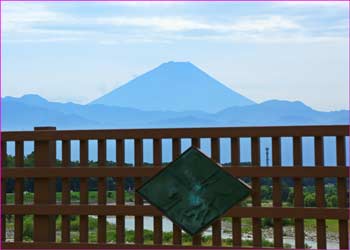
[[78, 51]]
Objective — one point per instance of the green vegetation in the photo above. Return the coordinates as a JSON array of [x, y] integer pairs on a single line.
[[111, 233], [266, 186], [332, 225], [266, 197], [74, 197]]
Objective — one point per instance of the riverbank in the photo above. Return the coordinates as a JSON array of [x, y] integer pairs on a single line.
[[267, 233]]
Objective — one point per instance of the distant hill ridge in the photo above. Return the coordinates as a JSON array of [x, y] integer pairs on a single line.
[[174, 86], [174, 94], [25, 112]]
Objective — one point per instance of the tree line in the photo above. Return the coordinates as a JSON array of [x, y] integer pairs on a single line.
[[266, 183]]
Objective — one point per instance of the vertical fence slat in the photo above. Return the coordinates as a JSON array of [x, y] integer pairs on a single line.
[[176, 148], [320, 223], [196, 142], [120, 192], [298, 193], [196, 239], [256, 198], [138, 199], [215, 155], [65, 191], [157, 160], [342, 194], [102, 188], [3, 189], [277, 193], [19, 183], [44, 189], [236, 221], [84, 191]]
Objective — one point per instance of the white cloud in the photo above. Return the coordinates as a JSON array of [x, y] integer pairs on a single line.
[[17, 17], [314, 4], [143, 4], [265, 23], [168, 23], [30, 22]]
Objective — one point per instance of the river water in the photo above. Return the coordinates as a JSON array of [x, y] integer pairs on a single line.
[[168, 227]]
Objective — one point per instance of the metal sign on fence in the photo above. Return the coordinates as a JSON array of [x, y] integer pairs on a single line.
[[193, 191]]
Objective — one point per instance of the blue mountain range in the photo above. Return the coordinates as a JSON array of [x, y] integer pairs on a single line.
[[175, 94], [171, 95]]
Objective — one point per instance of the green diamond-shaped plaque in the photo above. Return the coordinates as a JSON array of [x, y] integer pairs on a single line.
[[193, 191]]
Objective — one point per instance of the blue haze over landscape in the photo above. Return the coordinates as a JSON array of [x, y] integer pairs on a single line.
[[175, 94]]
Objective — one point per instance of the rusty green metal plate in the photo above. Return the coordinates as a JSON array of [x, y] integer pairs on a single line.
[[193, 191]]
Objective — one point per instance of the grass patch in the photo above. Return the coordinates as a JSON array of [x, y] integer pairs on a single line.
[[331, 225]]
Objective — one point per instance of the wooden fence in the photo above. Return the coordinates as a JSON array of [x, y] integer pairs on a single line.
[[44, 173]]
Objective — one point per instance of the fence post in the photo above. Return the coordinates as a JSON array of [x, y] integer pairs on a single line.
[[44, 188]]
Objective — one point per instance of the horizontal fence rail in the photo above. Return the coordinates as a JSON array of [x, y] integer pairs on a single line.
[[44, 207], [138, 210], [219, 132], [275, 171]]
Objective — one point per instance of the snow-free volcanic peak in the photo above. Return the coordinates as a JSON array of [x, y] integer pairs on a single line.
[[175, 86]]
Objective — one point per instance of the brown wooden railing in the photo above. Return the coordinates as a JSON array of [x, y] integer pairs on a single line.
[[44, 173]]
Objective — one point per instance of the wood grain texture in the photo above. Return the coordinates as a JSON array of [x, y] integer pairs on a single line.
[[236, 221], [176, 150], [216, 226], [140, 210], [256, 196], [277, 193], [19, 185], [3, 189], [102, 193], [45, 209], [138, 148], [84, 192], [277, 131], [44, 229], [120, 191], [140, 171], [320, 199], [66, 152], [157, 220], [342, 194], [298, 192]]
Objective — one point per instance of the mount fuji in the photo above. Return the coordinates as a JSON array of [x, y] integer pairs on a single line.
[[174, 86]]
